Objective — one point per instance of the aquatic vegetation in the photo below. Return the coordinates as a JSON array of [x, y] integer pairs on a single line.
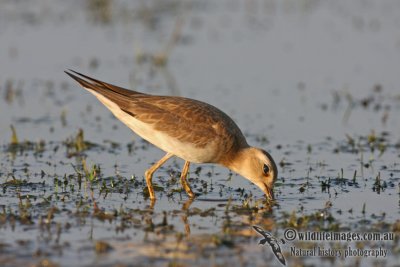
[[72, 190], [76, 145]]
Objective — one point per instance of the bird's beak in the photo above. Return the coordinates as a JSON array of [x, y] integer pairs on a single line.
[[268, 191]]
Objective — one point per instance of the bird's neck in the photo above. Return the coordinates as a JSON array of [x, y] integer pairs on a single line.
[[237, 160]]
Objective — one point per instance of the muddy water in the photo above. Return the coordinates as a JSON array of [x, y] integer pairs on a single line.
[[314, 82]]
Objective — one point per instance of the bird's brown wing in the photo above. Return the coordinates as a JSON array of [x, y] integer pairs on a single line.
[[185, 119], [96, 84]]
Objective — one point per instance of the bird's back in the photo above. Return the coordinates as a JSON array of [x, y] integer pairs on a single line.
[[191, 129]]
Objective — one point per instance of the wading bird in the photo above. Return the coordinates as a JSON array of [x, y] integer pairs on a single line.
[[192, 130]]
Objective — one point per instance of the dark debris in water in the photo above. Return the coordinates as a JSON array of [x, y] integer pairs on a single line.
[[55, 204]]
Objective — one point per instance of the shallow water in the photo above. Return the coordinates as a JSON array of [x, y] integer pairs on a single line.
[[313, 82]]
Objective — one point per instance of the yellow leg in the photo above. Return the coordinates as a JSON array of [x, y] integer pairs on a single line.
[[151, 170], [184, 183]]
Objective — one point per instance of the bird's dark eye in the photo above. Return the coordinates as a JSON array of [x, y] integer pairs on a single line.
[[266, 169]]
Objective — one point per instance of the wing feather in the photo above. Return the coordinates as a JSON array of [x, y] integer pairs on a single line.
[[186, 119]]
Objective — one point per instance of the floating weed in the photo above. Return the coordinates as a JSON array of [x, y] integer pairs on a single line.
[[91, 174], [113, 145], [248, 208], [359, 144], [396, 227], [378, 185], [149, 225], [309, 149], [102, 247], [103, 215], [14, 182], [320, 220], [81, 210], [164, 220], [351, 142], [46, 263], [224, 240], [16, 147], [326, 185], [130, 147], [228, 205], [156, 187], [284, 163], [340, 179], [374, 101], [198, 171], [14, 138], [211, 212], [376, 142], [25, 216], [76, 145], [80, 141], [40, 147], [302, 188]]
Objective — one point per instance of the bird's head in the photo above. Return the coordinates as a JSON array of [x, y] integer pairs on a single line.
[[258, 166]]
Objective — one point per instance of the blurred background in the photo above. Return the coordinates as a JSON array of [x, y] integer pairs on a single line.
[[278, 67], [314, 82]]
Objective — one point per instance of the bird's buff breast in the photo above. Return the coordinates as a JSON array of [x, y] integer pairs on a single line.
[[184, 150]]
